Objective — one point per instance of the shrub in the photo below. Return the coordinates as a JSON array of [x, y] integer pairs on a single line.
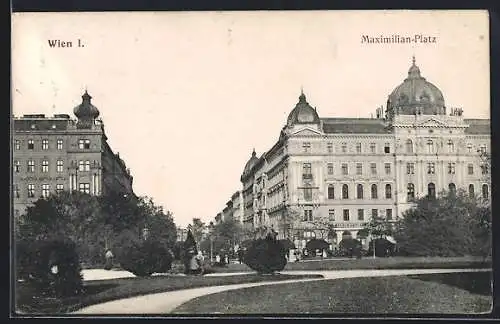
[[144, 258], [51, 265], [383, 248], [350, 247], [266, 256]]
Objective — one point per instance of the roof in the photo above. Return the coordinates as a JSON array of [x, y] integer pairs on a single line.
[[478, 126], [354, 126], [25, 124]]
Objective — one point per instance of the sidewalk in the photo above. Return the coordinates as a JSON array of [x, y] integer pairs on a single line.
[[163, 303]]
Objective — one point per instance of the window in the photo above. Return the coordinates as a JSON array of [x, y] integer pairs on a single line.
[[482, 148], [470, 168], [15, 189], [84, 165], [306, 168], [469, 148], [60, 166], [17, 144], [17, 166], [388, 214], [84, 143], [329, 147], [331, 192], [358, 147], [388, 191], [345, 191], [45, 190], [45, 144], [431, 190], [374, 213], [484, 168], [387, 168], [431, 168], [409, 146], [345, 170], [485, 191], [373, 148], [331, 214], [330, 168], [308, 193], [374, 191], [345, 212], [451, 146], [411, 192], [306, 146], [452, 188], [361, 214], [308, 215], [410, 168], [85, 188], [373, 168], [45, 166], [471, 191], [359, 168], [359, 191], [59, 187], [430, 146], [31, 144], [31, 190], [31, 166], [451, 168], [344, 147], [59, 144], [387, 148]]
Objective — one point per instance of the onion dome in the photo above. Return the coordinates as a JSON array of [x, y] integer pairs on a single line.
[[251, 162], [303, 113], [416, 95], [86, 112]]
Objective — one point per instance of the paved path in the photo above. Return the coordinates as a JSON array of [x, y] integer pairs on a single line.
[[163, 303]]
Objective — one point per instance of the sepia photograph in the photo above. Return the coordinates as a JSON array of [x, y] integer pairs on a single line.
[[251, 163]]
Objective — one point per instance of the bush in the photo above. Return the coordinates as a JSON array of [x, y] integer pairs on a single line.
[[350, 247], [266, 256], [144, 258], [51, 265], [383, 248]]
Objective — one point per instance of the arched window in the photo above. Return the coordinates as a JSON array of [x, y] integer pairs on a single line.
[[430, 146], [374, 191], [345, 191], [431, 190], [452, 188], [388, 191], [471, 191], [409, 146], [451, 146], [359, 190], [331, 192], [485, 191], [411, 192]]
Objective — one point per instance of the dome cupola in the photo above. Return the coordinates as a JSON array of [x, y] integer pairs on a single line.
[[251, 162], [303, 113], [415, 96], [86, 112]]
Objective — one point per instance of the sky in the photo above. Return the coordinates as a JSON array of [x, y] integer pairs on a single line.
[[186, 96]]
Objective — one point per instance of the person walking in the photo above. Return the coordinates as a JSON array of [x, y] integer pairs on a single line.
[[109, 260]]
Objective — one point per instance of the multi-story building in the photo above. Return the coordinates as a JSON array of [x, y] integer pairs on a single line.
[[237, 204], [326, 173], [58, 153]]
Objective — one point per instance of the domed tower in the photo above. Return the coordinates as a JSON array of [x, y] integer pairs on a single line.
[[251, 163], [86, 112], [303, 113], [415, 96]]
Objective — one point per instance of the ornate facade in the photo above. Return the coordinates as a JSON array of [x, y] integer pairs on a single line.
[[58, 153], [339, 172]]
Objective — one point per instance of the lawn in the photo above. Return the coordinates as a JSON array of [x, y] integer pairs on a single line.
[[99, 291], [377, 263], [376, 295]]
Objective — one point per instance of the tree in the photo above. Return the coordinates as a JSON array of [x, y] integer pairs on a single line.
[[453, 224], [226, 235], [197, 229], [189, 250]]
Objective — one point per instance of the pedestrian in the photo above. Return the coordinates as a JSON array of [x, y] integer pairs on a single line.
[[196, 264], [109, 260]]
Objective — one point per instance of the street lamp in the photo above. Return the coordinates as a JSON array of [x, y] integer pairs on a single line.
[[210, 228]]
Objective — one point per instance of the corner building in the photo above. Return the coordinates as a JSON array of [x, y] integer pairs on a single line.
[[58, 153], [339, 172]]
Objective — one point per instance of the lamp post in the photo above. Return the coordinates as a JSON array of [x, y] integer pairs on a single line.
[[211, 227]]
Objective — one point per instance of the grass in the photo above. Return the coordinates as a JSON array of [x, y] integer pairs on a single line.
[[377, 263], [99, 291], [376, 295]]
